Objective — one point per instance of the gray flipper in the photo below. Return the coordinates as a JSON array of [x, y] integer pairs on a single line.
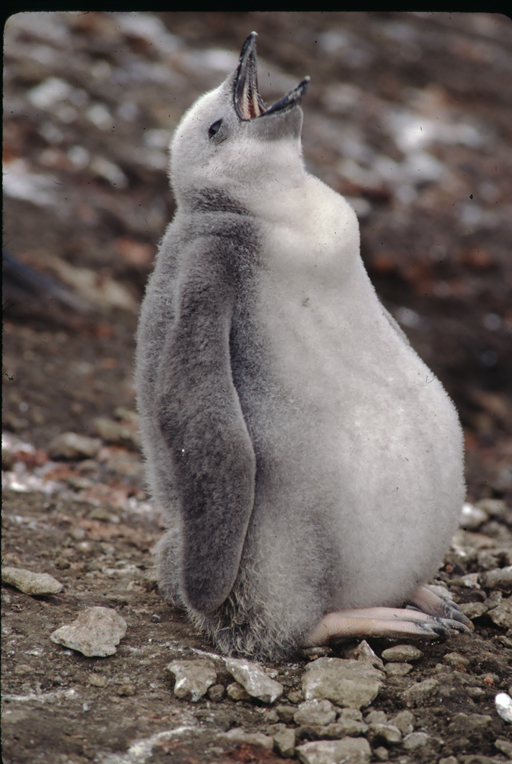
[[202, 423]]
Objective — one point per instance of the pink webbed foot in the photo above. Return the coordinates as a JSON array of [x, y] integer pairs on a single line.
[[437, 616]]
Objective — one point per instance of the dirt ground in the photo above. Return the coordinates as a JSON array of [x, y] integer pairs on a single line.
[[409, 116]]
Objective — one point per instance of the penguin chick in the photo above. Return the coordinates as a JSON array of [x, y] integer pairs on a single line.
[[308, 463]]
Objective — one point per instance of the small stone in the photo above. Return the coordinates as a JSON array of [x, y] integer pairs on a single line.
[[286, 713], [464, 725], [284, 743], [505, 746], [415, 740], [363, 652], [493, 507], [127, 689], [376, 717], [502, 615], [216, 692], [419, 693], [239, 736], [345, 682], [350, 724], [97, 680], [381, 753], [473, 609], [469, 581], [235, 691], [295, 696], [254, 680], [404, 721], [28, 582], [472, 517], [458, 662], [448, 760], [313, 713], [95, 633], [402, 654], [386, 733], [398, 669], [498, 578], [346, 751], [193, 678], [116, 432], [503, 703], [70, 445]]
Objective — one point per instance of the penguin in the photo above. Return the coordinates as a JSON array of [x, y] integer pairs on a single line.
[[308, 463]]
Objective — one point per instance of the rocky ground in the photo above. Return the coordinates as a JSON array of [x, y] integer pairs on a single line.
[[408, 115]]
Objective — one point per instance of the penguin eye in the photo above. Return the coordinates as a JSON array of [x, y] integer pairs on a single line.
[[214, 129]]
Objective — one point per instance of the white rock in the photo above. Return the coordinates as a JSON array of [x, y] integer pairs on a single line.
[[472, 517], [315, 712], [345, 682], [415, 740], [31, 583], [347, 751], [193, 678], [95, 633], [503, 703], [402, 654], [254, 680]]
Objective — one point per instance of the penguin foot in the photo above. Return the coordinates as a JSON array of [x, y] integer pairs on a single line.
[[385, 622], [435, 601]]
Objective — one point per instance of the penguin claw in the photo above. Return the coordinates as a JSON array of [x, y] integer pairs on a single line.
[[435, 601]]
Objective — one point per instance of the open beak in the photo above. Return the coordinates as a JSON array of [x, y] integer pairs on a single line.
[[246, 98]]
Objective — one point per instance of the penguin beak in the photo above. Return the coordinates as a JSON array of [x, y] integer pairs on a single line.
[[246, 98]]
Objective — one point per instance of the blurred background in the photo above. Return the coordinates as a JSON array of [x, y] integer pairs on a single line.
[[409, 115]]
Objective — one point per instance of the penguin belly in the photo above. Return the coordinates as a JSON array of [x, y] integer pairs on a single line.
[[359, 447]]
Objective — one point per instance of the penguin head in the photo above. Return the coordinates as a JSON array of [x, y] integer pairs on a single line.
[[229, 135]]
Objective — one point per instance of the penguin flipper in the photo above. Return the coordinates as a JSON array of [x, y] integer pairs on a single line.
[[200, 417]]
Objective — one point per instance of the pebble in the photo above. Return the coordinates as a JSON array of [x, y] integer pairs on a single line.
[[493, 507], [498, 578], [420, 692], [398, 669], [505, 746], [193, 678], [235, 691], [349, 724], [415, 740], [376, 717], [503, 703], [363, 652], [350, 683], [402, 654], [349, 750], [95, 633], [70, 445], [116, 432], [240, 736], [216, 692], [381, 753], [502, 615], [473, 609], [29, 582], [254, 680], [386, 733], [286, 713], [284, 743], [472, 517], [404, 721], [457, 661], [315, 713]]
